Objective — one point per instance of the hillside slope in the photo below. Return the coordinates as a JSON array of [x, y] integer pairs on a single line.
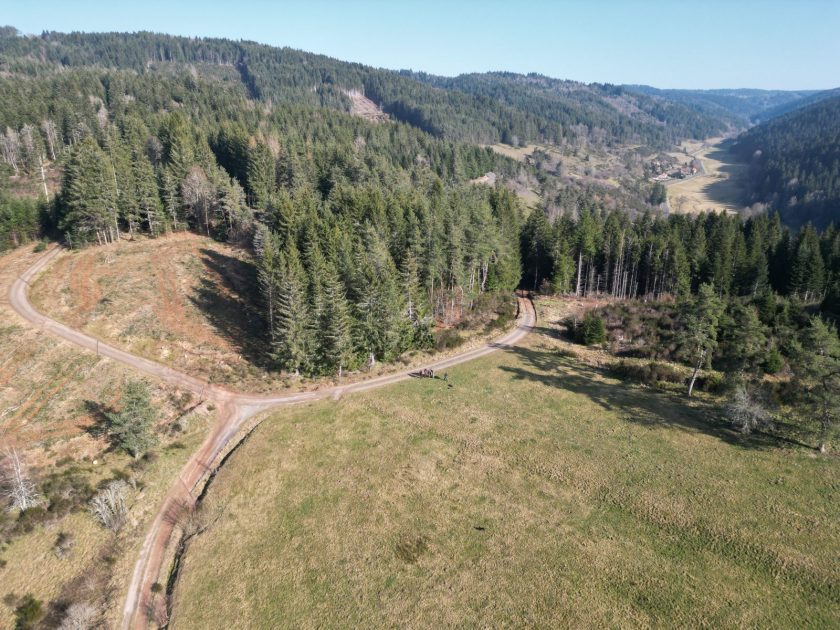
[[618, 114], [474, 108], [795, 163], [738, 107]]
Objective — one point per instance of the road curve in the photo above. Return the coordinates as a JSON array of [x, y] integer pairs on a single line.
[[234, 408]]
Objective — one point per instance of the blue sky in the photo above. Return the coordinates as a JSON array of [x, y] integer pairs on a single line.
[[789, 44]]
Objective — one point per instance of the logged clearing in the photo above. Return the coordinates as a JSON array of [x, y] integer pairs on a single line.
[[52, 396], [181, 300], [186, 301], [365, 108], [46, 384], [718, 189], [537, 491]]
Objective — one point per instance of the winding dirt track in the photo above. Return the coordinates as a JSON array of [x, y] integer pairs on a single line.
[[234, 409]]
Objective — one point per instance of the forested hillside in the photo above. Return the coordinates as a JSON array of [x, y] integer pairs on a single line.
[[800, 103], [795, 163], [363, 234], [737, 107], [367, 233], [476, 108], [617, 114]]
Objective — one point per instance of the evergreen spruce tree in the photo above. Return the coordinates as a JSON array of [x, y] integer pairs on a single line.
[[260, 175], [292, 345], [817, 378], [744, 340], [146, 194], [701, 315], [335, 351], [130, 427], [270, 275], [90, 205]]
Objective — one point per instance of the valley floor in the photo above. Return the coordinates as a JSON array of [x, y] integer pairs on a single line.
[[717, 187], [535, 491]]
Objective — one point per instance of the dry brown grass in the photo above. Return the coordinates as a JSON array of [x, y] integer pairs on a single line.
[[538, 491], [44, 386], [186, 301], [180, 300], [718, 190]]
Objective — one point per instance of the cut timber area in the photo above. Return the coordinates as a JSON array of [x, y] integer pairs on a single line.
[[364, 107]]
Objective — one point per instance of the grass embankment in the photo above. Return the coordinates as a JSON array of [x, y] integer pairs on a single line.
[[52, 396], [181, 300], [536, 491]]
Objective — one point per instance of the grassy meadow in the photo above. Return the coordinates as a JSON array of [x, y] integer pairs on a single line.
[[720, 189], [536, 491]]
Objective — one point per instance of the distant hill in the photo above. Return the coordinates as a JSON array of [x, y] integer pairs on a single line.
[[795, 163], [789, 106], [622, 115], [478, 108], [739, 107]]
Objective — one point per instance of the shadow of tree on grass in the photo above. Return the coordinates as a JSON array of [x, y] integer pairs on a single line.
[[644, 406], [226, 296]]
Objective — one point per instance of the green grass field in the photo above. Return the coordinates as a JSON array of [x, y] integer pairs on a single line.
[[535, 492]]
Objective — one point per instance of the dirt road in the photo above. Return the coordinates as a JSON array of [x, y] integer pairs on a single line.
[[234, 408]]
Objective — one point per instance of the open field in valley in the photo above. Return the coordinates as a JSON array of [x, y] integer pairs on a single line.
[[718, 189], [536, 491]]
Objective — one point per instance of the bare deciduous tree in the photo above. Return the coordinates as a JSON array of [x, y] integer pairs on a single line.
[[746, 413], [10, 144], [51, 135], [109, 505], [16, 484], [197, 193], [80, 616]]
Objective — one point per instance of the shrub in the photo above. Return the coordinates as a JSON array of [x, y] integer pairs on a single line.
[[649, 373], [108, 506], [774, 362], [448, 339], [591, 330], [79, 615], [28, 519], [711, 383], [29, 612], [64, 544], [745, 412]]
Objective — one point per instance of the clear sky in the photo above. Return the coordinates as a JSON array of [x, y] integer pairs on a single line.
[[784, 44]]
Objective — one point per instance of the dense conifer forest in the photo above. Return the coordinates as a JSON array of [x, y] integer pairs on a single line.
[[795, 163], [475, 108], [366, 234]]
